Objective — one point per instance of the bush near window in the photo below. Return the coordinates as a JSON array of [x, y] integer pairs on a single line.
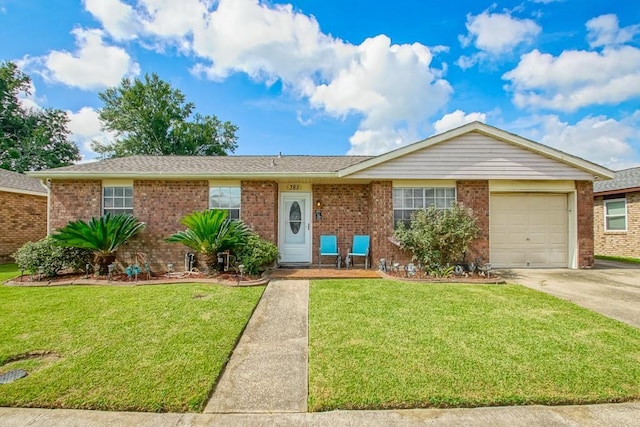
[[51, 257], [258, 254], [438, 237]]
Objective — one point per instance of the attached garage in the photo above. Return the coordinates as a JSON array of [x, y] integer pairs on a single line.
[[529, 230]]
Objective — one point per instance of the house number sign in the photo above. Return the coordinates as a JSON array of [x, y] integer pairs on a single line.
[[293, 187]]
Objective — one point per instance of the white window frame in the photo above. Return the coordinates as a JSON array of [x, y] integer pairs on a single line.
[[230, 205], [425, 200], [124, 197], [606, 216]]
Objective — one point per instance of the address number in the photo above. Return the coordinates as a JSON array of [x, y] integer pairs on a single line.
[[294, 187]]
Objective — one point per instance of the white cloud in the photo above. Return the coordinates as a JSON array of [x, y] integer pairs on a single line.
[[94, 65], [117, 18], [85, 127], [497, 33], [392, 87], [604, 30], [612, 143], [576, 79], [457, 119]]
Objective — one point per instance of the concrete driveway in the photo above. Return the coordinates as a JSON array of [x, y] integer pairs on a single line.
[[610, 288]]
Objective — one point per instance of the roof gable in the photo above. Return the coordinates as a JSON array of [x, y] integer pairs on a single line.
[[474, 151]]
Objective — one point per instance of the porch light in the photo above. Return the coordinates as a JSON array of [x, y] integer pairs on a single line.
[[318, 204]]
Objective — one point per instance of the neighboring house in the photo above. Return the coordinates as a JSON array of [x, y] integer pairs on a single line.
[[534, 204], [23, 212], [617, 214]]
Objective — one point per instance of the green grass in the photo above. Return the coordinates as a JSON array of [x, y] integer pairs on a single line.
[[386, 344], [8, 271], [618, 258], [145, 348]]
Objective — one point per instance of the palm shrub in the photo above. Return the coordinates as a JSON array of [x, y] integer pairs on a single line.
[[257, 254], [102, 236], [438, 237], [210, 232]]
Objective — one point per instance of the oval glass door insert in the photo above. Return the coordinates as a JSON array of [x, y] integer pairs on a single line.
[[295, 217]]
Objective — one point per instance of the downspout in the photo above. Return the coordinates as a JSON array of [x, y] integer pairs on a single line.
[[46, 183]]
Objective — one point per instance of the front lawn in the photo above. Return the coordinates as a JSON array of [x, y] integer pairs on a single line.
[[143, 348], [8, 271], [386, 344]]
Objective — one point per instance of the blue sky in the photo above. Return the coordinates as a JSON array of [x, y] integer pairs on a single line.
[[356, 77]]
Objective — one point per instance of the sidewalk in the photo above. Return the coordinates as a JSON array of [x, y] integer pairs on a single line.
[[267, 371]]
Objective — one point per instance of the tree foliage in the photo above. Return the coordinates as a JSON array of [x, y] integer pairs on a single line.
[[103, 236], [210, 232], [438, 237], [150, 117], [30, 139]]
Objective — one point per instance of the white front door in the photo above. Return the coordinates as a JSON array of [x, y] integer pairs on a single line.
[[295, 227]]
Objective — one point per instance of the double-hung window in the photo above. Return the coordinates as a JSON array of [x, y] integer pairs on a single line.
[[117, 200], [407, 200], [615, 215], [227, 198]]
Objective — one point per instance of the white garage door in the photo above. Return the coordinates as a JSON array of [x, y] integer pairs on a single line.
[[528, 230]]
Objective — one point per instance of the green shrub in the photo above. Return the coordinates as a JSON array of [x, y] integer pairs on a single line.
[[51, 257], [257, 254], [438, 237]]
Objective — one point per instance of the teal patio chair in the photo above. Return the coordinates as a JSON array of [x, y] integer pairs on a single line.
[[360, 247], [329, 247]]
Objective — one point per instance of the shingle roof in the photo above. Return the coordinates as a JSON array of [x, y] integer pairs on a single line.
[[627, 178], [20, 182], [209, 165]]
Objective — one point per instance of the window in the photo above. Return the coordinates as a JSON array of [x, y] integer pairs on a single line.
[[117, 200], [408, 200], [615, 215], [227, 198]]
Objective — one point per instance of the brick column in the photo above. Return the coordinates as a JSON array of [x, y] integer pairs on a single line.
[[475, 195], [584, 190], [259, 208]]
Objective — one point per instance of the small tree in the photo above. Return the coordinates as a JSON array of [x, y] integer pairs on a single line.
[[438, 236], [102, 236], [210, 232]]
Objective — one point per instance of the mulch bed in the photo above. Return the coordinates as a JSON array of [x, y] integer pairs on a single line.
[[143, 279]]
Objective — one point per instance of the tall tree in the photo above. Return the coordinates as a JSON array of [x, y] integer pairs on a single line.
[[30, 139], [150, 117]]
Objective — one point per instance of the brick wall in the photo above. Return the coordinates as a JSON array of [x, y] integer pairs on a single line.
[[345, 213], [584, 192], [618, 243], [23, 218], [382, 225], [73, 200], [259, 208], [161, 205], [475, 195]]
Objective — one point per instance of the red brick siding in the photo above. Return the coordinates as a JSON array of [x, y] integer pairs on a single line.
[[23, 218], [345, 213], [618, 243], [584, 190], [161, 205], [475, 195], [382, 225], [259, 208], [72, 200]]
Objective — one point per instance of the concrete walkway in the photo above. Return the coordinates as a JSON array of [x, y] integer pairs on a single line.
[[623, 414], [267, 371]]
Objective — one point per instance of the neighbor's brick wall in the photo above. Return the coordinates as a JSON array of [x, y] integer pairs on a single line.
[[161, 205], [72, 200], [23, 218], [584, 190], [345, 213], [259, 208], [618, 243], [475, 195]]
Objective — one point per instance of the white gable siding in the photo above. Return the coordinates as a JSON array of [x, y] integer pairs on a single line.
[[473, 156]]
